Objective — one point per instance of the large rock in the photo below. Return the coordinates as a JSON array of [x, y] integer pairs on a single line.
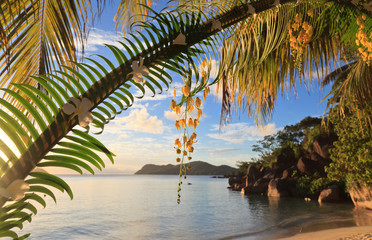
[[236, 182], [361, 196], [253, 174], [331, 195], [259, 187], [321, 146], [285, 160], [309, 167], [269, 173], [278, 188], [287, 173]]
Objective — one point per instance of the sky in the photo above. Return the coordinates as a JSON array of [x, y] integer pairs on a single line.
[[145, 133]]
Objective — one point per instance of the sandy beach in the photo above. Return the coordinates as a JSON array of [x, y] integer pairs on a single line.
[[348, 233]]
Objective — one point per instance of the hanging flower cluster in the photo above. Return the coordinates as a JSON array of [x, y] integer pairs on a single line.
[[300, 33], [188, 120], [363, 41]]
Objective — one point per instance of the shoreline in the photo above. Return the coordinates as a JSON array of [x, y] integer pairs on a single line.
[[346, 233]]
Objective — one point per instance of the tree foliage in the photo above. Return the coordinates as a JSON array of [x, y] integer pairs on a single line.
[[352, 152], [288, 140]]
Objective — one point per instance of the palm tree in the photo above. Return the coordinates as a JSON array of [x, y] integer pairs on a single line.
[[256, 41], [281, 48], [38, 37]]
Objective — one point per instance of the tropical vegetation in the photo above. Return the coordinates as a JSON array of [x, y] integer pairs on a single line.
[[268, 47], [352, 152]]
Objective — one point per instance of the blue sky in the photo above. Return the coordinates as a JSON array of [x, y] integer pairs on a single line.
[[145, 133]]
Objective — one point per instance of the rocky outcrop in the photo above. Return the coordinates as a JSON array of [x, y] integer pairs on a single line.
[[287, 173], [269, 173], [281, 179], [308, 166], [285, 160], [322, 145], [330, 195], [260, 186], [278, 188], [361, 196], [253, 174], [236, 182]]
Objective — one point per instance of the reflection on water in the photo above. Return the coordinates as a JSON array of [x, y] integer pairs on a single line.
[[145, 207], [291, 216]]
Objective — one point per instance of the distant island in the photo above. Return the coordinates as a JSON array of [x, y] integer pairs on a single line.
[[196, 168]]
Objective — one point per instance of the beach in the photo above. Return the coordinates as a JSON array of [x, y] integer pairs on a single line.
[[347, 233]]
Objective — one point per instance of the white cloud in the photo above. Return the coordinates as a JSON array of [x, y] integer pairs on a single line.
[[98, 37], [171, 115], [241, 132], [132, 154], [138, 120]]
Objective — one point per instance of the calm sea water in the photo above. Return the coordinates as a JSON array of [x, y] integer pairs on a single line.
[[145, 207]]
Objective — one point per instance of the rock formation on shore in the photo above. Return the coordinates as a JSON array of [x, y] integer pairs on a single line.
[[281, 179]]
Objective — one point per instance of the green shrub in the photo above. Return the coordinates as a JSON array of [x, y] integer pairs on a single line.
[[352, 152], [307, 186]]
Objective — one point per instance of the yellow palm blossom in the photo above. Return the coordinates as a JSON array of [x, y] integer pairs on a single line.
[[186, 90], [190, 149], [184, 139], [310, 13], [177, 125], [177, 142], [188, 101], [174, 92], [199, 114], [193, 136], [173, 104], [205, 94], [190, 122], [190, 108], [183, 123], [196, 123], [178, 110], [197, 102]]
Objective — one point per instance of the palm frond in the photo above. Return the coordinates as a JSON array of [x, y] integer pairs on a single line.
[[259, 61], [38, 36], [131, 12]]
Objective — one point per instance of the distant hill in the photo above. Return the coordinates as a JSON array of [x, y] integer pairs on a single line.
[[197, 168]]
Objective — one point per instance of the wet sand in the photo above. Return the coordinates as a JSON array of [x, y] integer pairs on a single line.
[[348, 233]]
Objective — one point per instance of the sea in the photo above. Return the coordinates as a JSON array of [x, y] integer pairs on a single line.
[[145, 207]]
